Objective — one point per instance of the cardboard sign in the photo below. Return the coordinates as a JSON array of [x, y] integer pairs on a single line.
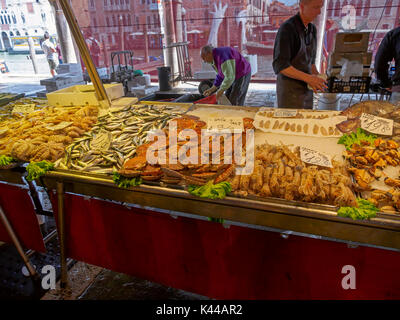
[[315, 157], [285, 113], [24, 108], [376, 125], [60, 126], [223, 123], [101, 141]]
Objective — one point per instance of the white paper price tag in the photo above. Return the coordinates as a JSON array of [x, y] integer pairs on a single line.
[[221, 123], [23, 108], [285, 113], [101, 141], [377, 125], [60, 126], [315, 157]]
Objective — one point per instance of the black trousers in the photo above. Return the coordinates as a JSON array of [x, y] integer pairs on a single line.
[[238, 90]]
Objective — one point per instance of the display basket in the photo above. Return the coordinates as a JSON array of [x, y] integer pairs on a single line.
[[354, 85]]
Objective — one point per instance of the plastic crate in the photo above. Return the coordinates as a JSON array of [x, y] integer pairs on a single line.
[[354, 85]]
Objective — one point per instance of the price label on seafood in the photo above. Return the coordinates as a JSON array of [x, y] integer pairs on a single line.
[[315, 157], [101, 141], [377, 125], [60, 126], [24, 108], [221, 123], [285, 113]]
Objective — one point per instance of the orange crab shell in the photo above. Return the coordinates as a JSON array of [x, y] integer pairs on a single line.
[[136, 163], [150, 170]]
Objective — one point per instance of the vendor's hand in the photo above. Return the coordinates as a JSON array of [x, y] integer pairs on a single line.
[[317, 83], [208, 92], [219, 94]]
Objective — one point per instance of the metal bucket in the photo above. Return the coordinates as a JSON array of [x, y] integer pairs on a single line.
[[329, 101], [164, 76]]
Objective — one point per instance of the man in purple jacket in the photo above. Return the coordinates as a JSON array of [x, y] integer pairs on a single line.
[[233, 73]]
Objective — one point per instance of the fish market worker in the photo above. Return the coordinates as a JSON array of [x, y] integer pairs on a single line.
[[294, 58], [388, 50], [233, 73]]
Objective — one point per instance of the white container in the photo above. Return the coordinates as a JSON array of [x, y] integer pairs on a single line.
[[82, 95], [329, 101]]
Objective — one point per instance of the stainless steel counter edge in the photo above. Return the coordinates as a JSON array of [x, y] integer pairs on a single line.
[[321, 212]]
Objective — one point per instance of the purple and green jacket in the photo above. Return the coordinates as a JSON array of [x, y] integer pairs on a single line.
[[230, 66]]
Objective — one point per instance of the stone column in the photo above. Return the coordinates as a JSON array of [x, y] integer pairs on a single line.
[[64, 34]]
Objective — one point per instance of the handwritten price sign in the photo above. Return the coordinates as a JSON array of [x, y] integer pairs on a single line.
[[60, 126], [285, 113], [221, 123], [24, 108], [377, 125], [315, 157]]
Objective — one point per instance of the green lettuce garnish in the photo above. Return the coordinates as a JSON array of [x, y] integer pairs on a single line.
[[126, 183], [361, 135], [5, 160], [219, 220], [37, 169], [365, 211], [211, 190]]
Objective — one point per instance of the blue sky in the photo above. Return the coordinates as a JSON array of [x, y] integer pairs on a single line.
[[288, 2]]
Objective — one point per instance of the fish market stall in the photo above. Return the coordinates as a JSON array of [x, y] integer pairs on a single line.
[[150, 212], [198, 226]]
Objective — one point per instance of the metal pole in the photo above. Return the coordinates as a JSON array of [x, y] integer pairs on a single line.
[[321, 35], [17, 244], [61, 234], [146, 44], [80, 41], [32, 52], [171, 59], [177, 11]]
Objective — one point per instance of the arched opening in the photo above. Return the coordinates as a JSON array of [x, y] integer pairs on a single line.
[[6, 40]]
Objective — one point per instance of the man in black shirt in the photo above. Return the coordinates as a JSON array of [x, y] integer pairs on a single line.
[[294, 58], [389, 49]]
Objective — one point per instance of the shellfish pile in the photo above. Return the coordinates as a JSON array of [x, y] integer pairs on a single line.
[[280, 173], [35, 136]]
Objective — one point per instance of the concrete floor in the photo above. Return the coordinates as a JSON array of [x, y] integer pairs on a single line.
[[87, 282]]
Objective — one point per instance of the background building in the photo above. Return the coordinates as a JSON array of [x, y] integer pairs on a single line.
[[22, 18], [249, 25]]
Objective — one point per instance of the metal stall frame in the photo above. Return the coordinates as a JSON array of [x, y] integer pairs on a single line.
[[309, 219]]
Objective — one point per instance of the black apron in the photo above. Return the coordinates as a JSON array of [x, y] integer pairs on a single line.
[[292, 93]]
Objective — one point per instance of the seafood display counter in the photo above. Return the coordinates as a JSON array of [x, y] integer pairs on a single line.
[[117, 210], [311, 219]]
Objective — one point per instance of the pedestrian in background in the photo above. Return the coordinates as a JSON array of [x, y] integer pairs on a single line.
[[50, 52]]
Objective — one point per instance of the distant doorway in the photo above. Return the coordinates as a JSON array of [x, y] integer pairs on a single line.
[[6, 40]]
